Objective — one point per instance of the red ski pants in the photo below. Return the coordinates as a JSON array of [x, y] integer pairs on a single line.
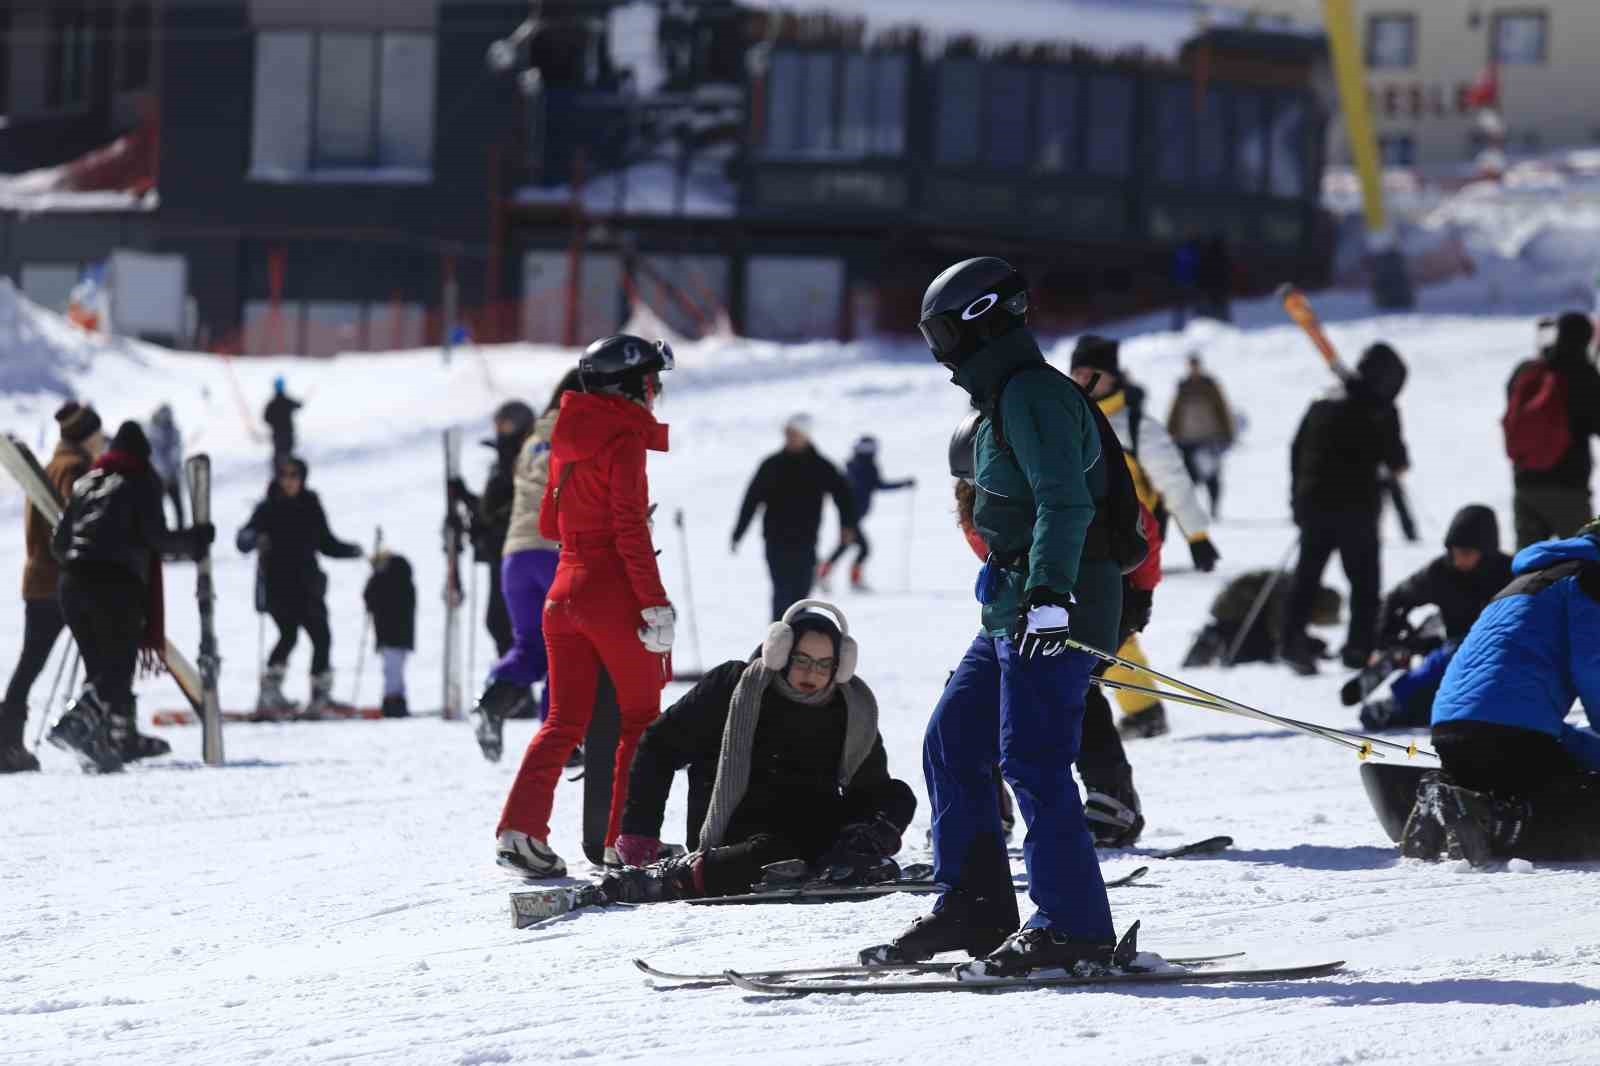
[[590, 620]]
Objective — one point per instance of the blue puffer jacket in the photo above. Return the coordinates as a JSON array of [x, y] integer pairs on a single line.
[[1530, 655]]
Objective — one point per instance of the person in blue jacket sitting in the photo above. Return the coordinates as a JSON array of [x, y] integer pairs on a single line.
[[1517, 780]]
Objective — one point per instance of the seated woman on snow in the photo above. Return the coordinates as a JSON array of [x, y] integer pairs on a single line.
[[784, 761]]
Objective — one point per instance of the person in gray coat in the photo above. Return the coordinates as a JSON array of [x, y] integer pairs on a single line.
[[166, 456]]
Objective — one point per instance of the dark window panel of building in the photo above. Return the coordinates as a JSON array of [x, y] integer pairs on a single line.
[[1252, 141], [1005, 105], [1110, 124], [1291, 147], [138, 28], [1391, 41], [71, 48], [956, 137], [1520, 38], [1057, 122], [1212, 154], [1172, 123]]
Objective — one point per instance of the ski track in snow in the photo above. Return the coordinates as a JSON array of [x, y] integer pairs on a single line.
[[331, 895]]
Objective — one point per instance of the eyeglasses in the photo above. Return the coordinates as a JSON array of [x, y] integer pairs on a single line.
[[815, 666]]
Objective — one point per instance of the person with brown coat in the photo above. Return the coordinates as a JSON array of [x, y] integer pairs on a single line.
[[82, 441], [1202, 426]]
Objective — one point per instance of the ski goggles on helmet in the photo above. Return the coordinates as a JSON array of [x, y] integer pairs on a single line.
[[955, 334]]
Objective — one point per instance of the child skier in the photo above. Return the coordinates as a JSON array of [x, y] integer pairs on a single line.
[[391, 599], [865, 480]]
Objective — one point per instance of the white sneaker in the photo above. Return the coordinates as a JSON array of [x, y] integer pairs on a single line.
[[611, 860], [529, 857]]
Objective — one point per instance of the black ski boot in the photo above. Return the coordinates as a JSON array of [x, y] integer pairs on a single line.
[[1141, 725], [1112, 809], [959, 923], [1480, 828], [131, 744], [1028, 950], [1299, 654], [15, 758], [1423, 836], [84, 730], [668, 879], [489, 716], [395, 707], [1376, 715]]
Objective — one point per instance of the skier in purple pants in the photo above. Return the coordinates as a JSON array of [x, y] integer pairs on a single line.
[[527, 567]]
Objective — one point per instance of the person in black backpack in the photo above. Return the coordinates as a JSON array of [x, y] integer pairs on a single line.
[[1553, 408]]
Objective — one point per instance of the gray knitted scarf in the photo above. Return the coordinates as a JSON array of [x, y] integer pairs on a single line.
[[739, 734]]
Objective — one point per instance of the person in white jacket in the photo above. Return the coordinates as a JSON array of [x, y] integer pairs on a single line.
[[1163, 483]]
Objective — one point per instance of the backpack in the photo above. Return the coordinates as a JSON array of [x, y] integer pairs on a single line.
[[1116, 532], [1537, 428]]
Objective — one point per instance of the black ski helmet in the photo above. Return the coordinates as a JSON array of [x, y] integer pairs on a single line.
[[625, 365], [971, 304], [963, 448]]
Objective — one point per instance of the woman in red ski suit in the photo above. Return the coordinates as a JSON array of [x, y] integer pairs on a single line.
[[606, 605]]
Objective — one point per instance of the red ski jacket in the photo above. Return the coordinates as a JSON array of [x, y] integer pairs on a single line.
[[597, 501]]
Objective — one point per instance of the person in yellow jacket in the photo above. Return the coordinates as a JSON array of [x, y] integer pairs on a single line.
[[1161, 479]]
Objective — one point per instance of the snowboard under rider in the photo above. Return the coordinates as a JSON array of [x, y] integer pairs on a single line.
[[110, 542], [289, 529], [1017, 696], [606, 606], [785, 762]]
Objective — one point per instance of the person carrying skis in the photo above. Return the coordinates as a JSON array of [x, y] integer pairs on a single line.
[[1461, 582], [784, 762], [865, 481], [606, 605], [1516, 780], [391, 599], [1017, 697], [1201, 425], [1162, 482], [790, 485], [166, 455], [491, 512], [1552, 409], [279, 417], [82, 442], [289, 529], [527, 570], [110, 542], [1335, 464]]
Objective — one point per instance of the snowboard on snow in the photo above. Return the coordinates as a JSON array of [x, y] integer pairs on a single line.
[[1392, 790]]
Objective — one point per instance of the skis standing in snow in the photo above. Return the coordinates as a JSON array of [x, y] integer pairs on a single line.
[[1461, 582], [810, 782], [82, 442], [527, 569], [290, 529], [607, 606], [1517, 779], [109, 542], [865, 481], [1017, 696], [391, 599], [789, 486]]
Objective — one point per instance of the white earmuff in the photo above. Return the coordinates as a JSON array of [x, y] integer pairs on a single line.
[[779, 645]]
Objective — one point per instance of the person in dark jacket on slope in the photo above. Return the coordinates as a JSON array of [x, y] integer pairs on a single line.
[[1461, 582], [790, 485], [1335, 465], [1237, 604], [1555, 501], [110, 542], [279, 417], [491, 512], [865, 482], [391, 599], [1516, 779], [784, 762], [290, 529], [82, 442]]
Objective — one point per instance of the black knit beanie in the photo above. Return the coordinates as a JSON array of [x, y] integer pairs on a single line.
[[78, 421], [130, 440], [1097, 353]]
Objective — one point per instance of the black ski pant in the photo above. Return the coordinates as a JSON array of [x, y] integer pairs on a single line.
[[862, 545], [1355, 537], [1101, 756], [1542, 512], [1524, 764], [496, 618], [41, 625], [313, 618], [793, 566], [105, 609], [733, 868], [1213, 484]]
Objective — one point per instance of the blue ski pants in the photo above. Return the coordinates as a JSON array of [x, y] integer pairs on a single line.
[[1423, 680], [1027, 714]]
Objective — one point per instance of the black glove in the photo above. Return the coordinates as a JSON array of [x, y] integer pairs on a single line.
[[1136, 604], [1041, 630], [458, 490], [201, 536], [1204, 554], [862, 852]]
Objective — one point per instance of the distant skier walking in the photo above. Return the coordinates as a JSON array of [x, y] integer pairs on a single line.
[[607, 606], [166, 455], [491, 512], [279, 417], [865, 481]]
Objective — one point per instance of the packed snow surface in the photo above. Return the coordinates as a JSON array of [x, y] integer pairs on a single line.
[[331, 894]]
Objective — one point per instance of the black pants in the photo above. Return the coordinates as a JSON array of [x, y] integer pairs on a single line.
[[1213, 483], [41, 625], [1524, 764], [1100, 752], [862, 545], [496, 617], [313, 618], [105, 610], [792, 566], [733, 868], [1355, 538]]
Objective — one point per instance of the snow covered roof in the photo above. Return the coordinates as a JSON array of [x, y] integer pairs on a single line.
[[1155, 27], [44, 190]]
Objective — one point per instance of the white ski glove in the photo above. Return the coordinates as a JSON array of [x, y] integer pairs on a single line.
[[657, 632], [1045, 630]]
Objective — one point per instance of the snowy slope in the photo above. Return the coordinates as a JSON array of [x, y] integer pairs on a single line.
[[331, 894]]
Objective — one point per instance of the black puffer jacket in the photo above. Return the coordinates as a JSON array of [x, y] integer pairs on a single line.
[[1333, 463], [296, 529], [115, 519], [793, 792], [1460, 597], [391, 599], [791, 485]]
